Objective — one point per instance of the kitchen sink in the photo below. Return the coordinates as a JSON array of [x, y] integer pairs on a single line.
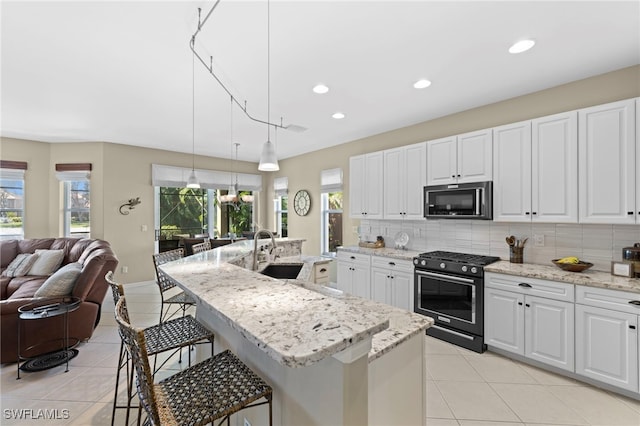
[[282, 270]]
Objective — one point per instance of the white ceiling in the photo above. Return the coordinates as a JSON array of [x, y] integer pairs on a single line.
[[122, 71]]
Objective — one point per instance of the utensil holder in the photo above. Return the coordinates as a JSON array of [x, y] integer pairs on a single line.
[[516, 254]]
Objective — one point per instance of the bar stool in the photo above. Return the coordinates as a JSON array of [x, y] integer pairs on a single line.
[[210, 390], [165, 283], [172, 335], [199, 248]]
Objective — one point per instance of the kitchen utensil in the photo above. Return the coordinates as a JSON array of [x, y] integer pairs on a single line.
[[632, 254], [572, 267], [511, 240], [523, 242]]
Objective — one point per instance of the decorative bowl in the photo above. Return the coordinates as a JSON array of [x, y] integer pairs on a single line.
[[573, 267]]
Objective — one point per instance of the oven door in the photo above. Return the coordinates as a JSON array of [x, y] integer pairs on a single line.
[[452, 301]]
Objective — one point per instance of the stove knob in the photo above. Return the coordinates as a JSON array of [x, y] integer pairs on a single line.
[[474, 269], [415, 261], [442, 265], [464, 268], [424, 263]]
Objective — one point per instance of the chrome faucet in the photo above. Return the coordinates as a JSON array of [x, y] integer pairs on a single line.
[[255, 245]]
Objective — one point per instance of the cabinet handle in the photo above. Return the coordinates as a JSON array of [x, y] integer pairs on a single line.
[[527, 213], [535, 212], [352, 257], [458, 175], [527, 305], [520, 303], [453, 176], [635, 302], [392, 263], [633, 327], [630, 213], [323, 269], [525, 285]]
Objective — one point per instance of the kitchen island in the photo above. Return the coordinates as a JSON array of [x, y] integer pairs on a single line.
[[331, 358]]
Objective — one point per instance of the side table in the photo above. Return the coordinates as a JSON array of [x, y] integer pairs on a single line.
[[41, 309]]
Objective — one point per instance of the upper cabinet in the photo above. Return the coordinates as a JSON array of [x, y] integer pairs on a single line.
[[460, 159], [536, 170], [607, 163], [365, 186], [405, 174]]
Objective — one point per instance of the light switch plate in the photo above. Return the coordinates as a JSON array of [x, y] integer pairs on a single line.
[[538, 240]]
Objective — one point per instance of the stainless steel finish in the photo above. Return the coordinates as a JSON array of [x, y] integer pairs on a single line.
[[474, 269], [443, 319], [446, 330], [255, 246], [457, 280], [442, 265], [478, 201], [464, 268], [446, 277]]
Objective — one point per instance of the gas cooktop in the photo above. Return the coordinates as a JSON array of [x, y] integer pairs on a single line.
[[466, 258]]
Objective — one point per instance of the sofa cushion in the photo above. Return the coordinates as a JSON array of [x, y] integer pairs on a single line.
[[61, 282], [24, 287], [31, 245], [47, 263], [8, 252], [20, 265]]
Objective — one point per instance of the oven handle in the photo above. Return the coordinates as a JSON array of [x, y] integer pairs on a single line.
[[455, 333], [445, 277]]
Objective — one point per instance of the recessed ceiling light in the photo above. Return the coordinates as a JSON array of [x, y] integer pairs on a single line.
[[421, 84], [522, 46], [320, 89], [338, 116]]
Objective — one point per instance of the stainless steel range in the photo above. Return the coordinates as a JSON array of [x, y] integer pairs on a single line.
[[449, 287]]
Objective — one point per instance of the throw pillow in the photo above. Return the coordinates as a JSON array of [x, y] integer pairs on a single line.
[[20, 265], [47, 263], [61, 282]]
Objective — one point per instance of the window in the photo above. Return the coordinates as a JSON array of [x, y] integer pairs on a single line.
[[331, 210], [12, 199], [77, 207], [183, 212], [280, 203]]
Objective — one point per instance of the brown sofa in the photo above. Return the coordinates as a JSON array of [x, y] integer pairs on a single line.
[[96, 258]]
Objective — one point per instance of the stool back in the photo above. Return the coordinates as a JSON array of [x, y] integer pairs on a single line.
[[164, 281]]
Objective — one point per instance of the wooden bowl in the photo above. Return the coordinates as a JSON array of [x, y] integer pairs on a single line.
[[573, 267]]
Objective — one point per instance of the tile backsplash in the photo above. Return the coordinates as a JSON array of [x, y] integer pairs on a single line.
[[598, 244]]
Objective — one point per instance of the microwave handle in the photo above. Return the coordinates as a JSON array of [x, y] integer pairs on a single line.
[[478, 201]]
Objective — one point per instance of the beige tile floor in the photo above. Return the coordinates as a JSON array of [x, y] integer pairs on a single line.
[[463, 388]]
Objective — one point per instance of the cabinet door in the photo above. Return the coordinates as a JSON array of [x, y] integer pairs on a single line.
[[415, 167], [504, 320], [344, 277], [442, 161], [373, 186], [512, 172], [379, 278], [606, 139], [395, 177], [356, 186], [361, 281], [554, 168], [402, 291], [607, 346], [549, 332], [475, 161], [637, 183]]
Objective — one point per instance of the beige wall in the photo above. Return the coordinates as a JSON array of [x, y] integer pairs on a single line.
[[121, 172]]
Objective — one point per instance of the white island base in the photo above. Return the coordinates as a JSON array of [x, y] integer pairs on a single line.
[[344, 389]]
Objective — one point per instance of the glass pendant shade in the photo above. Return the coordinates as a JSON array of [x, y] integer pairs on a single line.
[[268, 159], [192, 182]]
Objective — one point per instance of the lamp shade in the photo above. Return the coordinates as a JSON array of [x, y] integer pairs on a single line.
[[268, 159], [192, 182]]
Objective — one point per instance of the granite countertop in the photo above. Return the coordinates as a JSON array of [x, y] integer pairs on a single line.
[[553, 273], [383, 251]]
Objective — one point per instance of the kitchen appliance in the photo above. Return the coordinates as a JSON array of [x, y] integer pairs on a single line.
[[449, 287], [459, 201], [632, 255]]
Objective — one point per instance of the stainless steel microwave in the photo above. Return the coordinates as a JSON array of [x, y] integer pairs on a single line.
[[459, 201]]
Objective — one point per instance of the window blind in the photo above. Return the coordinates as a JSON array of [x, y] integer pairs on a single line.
[[281, 186], [331, 180], [176, 177]]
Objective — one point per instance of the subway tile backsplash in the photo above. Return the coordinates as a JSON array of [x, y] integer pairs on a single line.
[[598, 244]]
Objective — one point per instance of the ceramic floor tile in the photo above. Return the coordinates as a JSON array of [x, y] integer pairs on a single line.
[[90, 386], [544, 377], [441, 422], [500, 370], [437, 346], [436, 405], [28, 412], [451, 367], [484, 423], [535, 403], [596, 406], [475, 401]]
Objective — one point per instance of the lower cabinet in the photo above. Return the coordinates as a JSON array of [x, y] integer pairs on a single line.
[[354, 274], [392, 282], [607, 336], [519, 321]]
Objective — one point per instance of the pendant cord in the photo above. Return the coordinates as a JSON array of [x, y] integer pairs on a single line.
[[268, 68], [193, 112]]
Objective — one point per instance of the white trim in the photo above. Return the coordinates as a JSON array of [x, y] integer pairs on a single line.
[[176, 177], [73, 175], [281, 186], [331, 180]]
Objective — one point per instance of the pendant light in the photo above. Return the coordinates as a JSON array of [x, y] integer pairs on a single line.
[[268, 159], [192, 181], [233, 189]]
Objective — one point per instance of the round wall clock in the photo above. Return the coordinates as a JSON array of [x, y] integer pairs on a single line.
[[302, 202]]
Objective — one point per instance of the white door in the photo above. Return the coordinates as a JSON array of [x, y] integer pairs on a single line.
[[402, 290], [356, 186], [554, 168], [512, 172], [395, 176], [549, 331], [442, 161], [504, 320], [606, 140], [475, 156], [373, 186], [416, 178], [379, 278], [361, 281], [345, 277], [607, 346]]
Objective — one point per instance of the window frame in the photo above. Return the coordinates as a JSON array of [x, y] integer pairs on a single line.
[[280, 213], [8, 175], [325, 213], [67, 210]]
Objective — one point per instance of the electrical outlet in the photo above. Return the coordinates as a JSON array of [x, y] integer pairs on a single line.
[[143, 228], [538, 240], [246, 422], [125, 269]]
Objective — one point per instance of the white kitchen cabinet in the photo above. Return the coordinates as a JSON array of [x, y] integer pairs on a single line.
[[366, 186], [518, 320], [607, 336], [392, 282], [354, 274], [607, 163], [536, 170], [405, 175], [460, 159]]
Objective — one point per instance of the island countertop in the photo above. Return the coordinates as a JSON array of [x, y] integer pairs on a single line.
[[293, 325]]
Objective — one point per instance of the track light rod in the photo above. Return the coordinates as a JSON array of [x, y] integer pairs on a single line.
[[192, 46]]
